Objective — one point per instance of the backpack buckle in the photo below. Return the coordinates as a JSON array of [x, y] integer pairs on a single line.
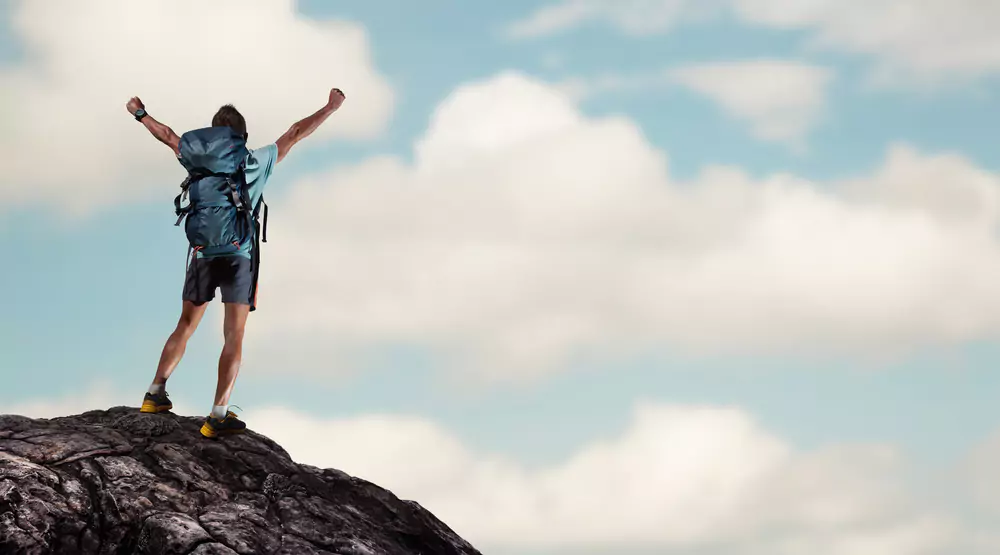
[[234, 195]]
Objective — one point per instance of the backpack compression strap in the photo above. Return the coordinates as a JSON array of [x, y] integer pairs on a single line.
[[235, 195], [181, 212]]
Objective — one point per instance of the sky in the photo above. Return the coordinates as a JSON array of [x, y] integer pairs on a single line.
[[579, 276]]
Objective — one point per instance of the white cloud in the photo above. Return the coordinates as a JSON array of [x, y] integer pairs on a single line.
[[978, 476], [526, 234], [637, 17], [555, 18], [781, 100], [100, 395], [70, 143], [927, 40], [945, 187], [581, 88], [697, 479]]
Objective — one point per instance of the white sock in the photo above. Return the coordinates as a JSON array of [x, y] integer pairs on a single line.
[[155, 388], [220, 411]]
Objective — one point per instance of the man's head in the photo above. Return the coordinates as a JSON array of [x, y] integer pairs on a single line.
[[228, 116]]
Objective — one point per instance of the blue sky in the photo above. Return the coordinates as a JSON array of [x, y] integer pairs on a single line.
[[92, 296]]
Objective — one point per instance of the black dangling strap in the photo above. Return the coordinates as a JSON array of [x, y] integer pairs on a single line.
[[264, 239], [254, 268]]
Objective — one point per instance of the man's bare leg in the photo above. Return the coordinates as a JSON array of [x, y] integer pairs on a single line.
[[232, 352], [156, 399], [219, 422], [176, 344]]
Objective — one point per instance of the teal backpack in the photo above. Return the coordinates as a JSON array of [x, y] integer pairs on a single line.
[[219, 218]]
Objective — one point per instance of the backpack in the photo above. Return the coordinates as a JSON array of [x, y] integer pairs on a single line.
[[219, 218]]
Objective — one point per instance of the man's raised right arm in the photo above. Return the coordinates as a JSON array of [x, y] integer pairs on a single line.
[[303, 128]]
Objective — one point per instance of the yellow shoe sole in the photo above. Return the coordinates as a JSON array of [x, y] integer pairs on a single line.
[[210, 432], [151, 407]]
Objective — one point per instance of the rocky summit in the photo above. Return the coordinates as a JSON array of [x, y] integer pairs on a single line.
[[122, 482]]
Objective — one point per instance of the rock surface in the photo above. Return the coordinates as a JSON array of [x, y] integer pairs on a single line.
[[122, 482]]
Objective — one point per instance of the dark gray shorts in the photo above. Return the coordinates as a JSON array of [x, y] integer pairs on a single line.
[[232, 274]]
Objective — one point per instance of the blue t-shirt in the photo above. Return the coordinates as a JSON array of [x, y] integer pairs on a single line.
[[260, 163]]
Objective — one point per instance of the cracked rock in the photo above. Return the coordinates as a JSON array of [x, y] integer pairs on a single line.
[[118, 481]]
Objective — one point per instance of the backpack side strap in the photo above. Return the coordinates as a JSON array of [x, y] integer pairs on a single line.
[[181, 212], [235, 195]]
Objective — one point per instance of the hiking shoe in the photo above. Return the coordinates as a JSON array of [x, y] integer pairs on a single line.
[[159, 402], [214, 427]]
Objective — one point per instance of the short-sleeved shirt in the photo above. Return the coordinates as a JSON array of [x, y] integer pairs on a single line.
[[260, 163]]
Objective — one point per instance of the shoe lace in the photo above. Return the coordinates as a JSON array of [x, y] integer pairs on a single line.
[[233, 413]]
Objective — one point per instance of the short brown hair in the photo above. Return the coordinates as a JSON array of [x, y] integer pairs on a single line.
[[229, 116]]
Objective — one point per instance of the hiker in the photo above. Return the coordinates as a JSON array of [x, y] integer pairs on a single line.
[[225, 187]]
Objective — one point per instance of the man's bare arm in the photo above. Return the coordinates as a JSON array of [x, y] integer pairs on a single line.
[[303, 128], [162, 133]]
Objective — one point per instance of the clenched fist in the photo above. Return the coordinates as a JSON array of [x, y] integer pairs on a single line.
[[133, 105], [336, 99]]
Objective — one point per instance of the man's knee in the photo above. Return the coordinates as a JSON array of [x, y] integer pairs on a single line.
[[235, 324], [232, 329], [186, 327], [233, 337], [232, 332], [190, 317]]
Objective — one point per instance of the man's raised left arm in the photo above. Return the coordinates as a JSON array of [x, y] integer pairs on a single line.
[[162, 133]]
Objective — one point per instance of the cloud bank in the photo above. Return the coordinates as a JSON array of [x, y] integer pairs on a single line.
[[930, 41], [70, 143], [525, 235], [781, 100], [698, 480]]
